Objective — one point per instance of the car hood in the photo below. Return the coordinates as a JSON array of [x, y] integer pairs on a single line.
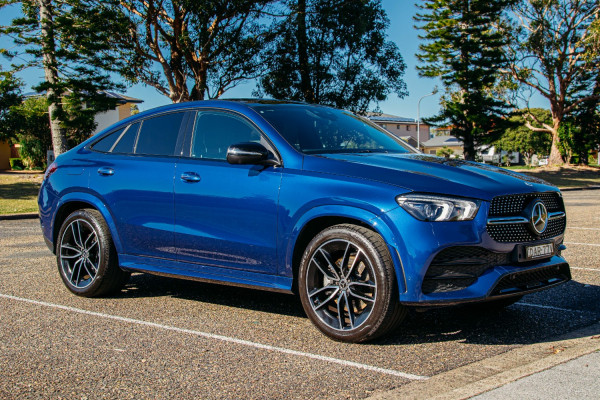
[[428, 174]]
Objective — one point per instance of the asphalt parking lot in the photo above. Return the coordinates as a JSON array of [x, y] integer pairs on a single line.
[[167, 338]]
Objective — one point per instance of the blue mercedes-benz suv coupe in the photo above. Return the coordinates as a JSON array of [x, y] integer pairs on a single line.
[[293, 197]]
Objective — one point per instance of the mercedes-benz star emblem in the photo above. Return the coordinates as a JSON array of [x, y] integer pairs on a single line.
[[539, 217]]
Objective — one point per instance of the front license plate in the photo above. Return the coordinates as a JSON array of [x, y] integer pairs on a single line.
[[539, 251]]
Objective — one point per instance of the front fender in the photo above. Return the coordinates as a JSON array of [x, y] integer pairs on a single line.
[[366, 217], [94, 202]]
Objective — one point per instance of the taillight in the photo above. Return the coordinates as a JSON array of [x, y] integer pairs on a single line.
[[53, 167]]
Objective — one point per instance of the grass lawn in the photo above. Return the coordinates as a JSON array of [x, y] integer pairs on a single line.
[[18, 192], [565, 177]]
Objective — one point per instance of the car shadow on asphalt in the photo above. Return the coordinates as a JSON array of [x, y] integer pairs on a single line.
[[537, 317]]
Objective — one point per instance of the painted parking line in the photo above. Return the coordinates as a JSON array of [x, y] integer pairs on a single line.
[[583, 244], [586, 269], [551, 307], [581, 228], [227, 339]]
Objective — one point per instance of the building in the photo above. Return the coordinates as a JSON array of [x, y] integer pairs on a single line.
[[439, 142], [403, 128], [122, 111]]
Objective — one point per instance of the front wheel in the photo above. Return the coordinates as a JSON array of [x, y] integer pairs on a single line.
[[347, 284], [86, 257]]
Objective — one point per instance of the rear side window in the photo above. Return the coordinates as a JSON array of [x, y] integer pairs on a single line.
[[158, 135], [107, 142], [127, 140]]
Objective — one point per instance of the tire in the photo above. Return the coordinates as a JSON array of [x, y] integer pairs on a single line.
[[348, 264], [86, 256]]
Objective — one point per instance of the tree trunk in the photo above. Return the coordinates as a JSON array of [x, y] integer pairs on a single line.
[[555, 156], [305, 84], [469, 148], [59, 136]]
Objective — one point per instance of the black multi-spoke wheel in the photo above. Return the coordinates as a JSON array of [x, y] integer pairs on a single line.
[[87, 260], [347, 284]]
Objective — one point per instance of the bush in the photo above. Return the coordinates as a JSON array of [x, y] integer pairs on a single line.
[[16, 164], [592, 160], [33, 151]]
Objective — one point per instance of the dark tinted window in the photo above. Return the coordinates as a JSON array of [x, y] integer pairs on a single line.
[[127, 140], [158, 135], [107, 142], [215, 131], [314, 130]]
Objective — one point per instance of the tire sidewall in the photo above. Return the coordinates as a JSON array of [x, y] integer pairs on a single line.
[[383, 284], [104, 242]]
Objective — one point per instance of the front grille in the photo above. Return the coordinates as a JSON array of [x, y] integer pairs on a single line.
[[531, 280], [511, 233], [514, 206], [457, 268]]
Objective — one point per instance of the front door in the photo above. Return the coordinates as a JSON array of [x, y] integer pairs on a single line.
[[225, 215]]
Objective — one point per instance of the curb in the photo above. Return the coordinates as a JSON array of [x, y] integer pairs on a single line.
[[491, 373], [10, 217], [572, 189]]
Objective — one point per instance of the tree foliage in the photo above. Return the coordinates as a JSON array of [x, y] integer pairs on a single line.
[[187, 50], [10, 96], [334, 53], [519, 138], [69, 43], [444, 152], [554, 51], [464, 43]]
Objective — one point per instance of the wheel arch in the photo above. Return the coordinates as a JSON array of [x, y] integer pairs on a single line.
[[318, 219], [77, 201]]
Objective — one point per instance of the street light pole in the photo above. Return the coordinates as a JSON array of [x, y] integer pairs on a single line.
[[435, 90]]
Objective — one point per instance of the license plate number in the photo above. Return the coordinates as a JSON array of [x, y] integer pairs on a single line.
[[542, 250]]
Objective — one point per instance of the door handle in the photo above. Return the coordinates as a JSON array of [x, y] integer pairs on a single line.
[[191, 177], [106, 171]]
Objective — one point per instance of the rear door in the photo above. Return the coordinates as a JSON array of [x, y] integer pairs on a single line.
[[134, 176]]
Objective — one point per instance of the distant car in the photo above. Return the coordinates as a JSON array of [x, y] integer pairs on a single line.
[[543, 161], [292, 197]]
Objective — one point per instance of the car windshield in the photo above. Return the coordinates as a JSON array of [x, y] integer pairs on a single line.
[[322, 130]]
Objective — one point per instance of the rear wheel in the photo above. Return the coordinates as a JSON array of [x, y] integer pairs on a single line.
[[86, 257], [347, 284]]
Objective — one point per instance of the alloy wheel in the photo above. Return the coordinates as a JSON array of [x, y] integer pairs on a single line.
[[341, 285]]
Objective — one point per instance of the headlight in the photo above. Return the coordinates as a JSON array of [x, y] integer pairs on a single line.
[[438, 208]]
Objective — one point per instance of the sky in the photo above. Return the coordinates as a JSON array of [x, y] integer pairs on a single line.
[[401, 31]]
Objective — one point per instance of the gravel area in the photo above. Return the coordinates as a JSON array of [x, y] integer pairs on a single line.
[[46, 352]]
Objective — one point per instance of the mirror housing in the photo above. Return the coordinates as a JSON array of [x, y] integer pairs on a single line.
[[249, 153]]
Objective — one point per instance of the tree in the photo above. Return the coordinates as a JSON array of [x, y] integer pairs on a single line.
[[10, 96], [187, 50], [464, 42], [444, 152], [334, 53], [32, 132], [522, 139], [68, 42], [553, 52]]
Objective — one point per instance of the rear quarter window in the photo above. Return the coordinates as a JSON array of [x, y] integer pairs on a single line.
[[158, 135]]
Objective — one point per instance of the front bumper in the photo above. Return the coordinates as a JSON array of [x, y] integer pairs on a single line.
[[418, 244]]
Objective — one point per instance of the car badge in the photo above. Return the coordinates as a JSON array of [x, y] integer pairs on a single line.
[[539, 217]]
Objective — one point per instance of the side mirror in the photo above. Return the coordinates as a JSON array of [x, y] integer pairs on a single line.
[[249, 153]]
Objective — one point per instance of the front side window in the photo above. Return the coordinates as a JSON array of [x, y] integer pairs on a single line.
[[158, 135], [215, 131], [321, 130]]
